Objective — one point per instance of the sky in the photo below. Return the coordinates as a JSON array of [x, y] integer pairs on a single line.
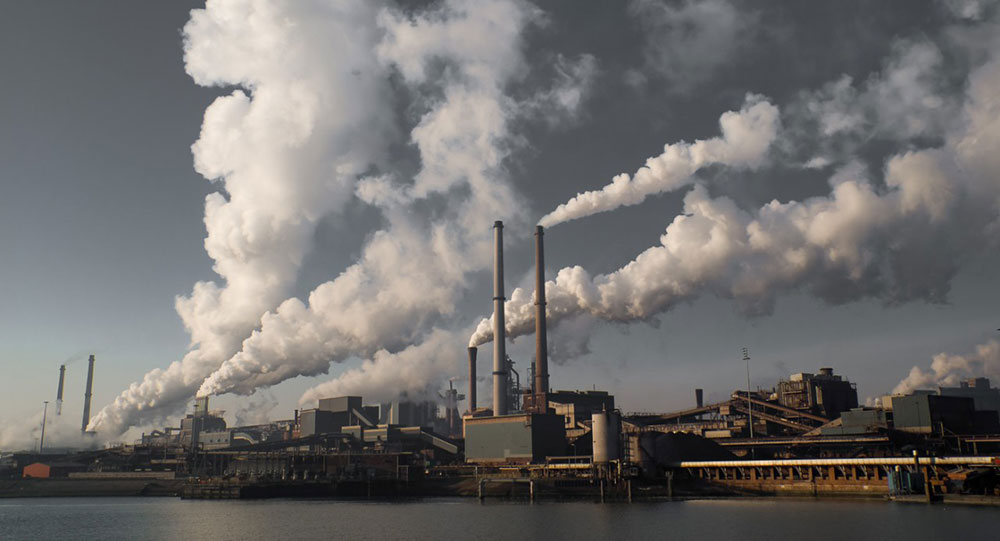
[[272, 202]]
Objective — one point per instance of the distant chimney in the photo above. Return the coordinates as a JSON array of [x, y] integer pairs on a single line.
[[699, 397], [473, 352], [59, 391], [87, 394]]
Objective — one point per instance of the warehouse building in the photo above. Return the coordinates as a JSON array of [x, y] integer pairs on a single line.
[[520, 438]]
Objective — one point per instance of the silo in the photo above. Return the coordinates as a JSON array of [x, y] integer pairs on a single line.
[[605, 432]]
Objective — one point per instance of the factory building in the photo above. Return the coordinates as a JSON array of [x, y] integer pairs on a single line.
[[219, 439], [199, 422], [983, 396], [933, 414], [46, 470], [409, 413], [518, 438], [822, 394], [577, 407], [859, 421], [332, 414]]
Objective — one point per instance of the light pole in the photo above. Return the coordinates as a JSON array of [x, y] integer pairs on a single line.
[[41, 443], [746, 357]]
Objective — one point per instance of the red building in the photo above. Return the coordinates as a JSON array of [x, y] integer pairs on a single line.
[[41, 470]]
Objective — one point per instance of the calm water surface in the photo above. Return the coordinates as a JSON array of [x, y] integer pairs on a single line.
[[168, 518]]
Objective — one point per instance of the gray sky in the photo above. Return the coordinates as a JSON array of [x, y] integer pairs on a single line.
[[102, 211]]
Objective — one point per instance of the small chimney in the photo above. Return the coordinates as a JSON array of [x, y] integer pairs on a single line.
[[699, 397], [59, 391], [499, 331], [87, 394], [473, 352]]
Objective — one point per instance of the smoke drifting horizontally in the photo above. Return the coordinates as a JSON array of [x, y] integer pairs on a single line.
[[898, 240], [746, 137]]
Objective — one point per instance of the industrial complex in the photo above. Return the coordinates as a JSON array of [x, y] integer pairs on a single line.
[[806, 435]]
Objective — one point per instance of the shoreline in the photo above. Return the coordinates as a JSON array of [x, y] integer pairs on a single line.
[[145, 488]]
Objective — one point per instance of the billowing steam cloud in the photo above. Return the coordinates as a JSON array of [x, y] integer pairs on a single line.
[[948, 370], [287, 151], [898, 241], [419, 367], [310, 136], [61, 432], [746, 137], [411, 274]]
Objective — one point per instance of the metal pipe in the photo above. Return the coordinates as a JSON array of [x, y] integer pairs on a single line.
[[473, 352], [87, 394], [499, 331], [889, 461], [541, 386], [59, 391], [746, 357]]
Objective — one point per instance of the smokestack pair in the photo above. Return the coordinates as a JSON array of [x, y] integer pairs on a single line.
[[500, 376]]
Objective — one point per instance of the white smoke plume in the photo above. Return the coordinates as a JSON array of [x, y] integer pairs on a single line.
[[286, 147], [381, 378], [898, 241], [412, 273], [61, 433], [947, 369], [747, 135]]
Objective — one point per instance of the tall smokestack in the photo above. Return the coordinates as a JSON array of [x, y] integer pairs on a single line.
[[541, 339], [473, 352], [87, 394], [62, 379], [499, 332]]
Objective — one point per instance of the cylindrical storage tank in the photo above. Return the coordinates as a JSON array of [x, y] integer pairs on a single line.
[[605, 429], [599, 432]]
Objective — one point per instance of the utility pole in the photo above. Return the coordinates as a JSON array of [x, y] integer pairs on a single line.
[[746, 357], [45, 412]]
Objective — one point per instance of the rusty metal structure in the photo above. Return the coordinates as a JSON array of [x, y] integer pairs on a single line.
[[733, 416], [927, 477]]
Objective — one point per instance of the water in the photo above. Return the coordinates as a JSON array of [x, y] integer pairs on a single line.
[[771, 519]]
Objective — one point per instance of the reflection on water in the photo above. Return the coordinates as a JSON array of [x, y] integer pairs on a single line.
[[168, 518]]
